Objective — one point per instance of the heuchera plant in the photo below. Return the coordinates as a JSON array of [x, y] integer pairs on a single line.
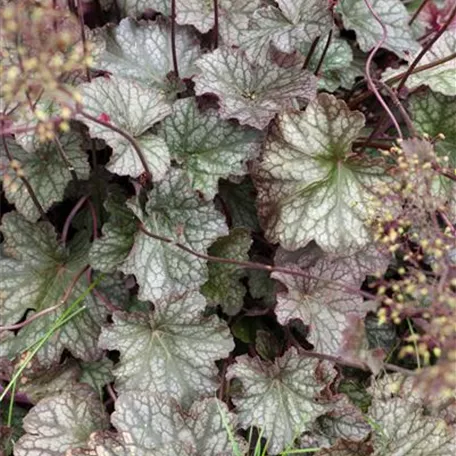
[[228, 227]]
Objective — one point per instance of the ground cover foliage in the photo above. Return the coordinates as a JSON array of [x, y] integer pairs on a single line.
[[228, 227]]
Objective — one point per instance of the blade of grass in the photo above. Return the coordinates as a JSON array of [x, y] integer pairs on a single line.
[[226, 425]]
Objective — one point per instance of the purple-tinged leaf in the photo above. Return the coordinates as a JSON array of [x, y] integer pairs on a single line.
[[280, 397], [62, 422]]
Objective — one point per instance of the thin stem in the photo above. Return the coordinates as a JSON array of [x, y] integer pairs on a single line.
[[426, 48], [83, 36], [93, 214], [311, 52], [365, 95], [375, 144], [65, 159], [111, 392], [370, 81], [16, 130], [356, 364], [127, 136], [26, 183], [421, 68], [418, 11], [448, 223], [323, 55], [343, 361], [173, 37], [447, 172], [253, 265], [69, 219], [49, 309], [216, 23], [398, 104]]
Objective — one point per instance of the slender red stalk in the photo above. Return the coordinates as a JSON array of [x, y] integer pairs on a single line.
[[311, 52], [426, 48], [323, 55], [259, 266], [370, 58], [418, 11], [65, 158], [216, 24], [69, 219], [83, 35], [173, 37], [127, 136]]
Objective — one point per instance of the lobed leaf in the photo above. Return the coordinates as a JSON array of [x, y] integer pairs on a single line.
[[173, 210], [323, 301], [393, 14], [133, 108], [251, 94], [292, 23], [402, 429], [141, 51], [36, 272], [310, 186], [61, 422], [170, 351], [279, 398], [207, 147], [45, 171]]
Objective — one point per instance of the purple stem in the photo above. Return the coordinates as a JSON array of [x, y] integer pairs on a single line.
[[216, 24], [69, 219], [173, 37], [369, 79]]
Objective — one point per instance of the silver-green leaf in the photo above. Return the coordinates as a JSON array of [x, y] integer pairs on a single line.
[[171, 350], [280, 398], [394, 16], [249, 93], [133, 108], [207, 147], [309, 185], [59, 423], [45, 170]]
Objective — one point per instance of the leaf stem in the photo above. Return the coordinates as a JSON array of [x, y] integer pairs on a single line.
[[417, 12], [83, 36], [173, 38], [65, 158], [426, 48], [216, 24], [127, 136], [365, 95], [323, 55], [69, 219], [26, 183], [393, 95], [370, 82], [355, 364], [421, 68], [253, 265], [309, 55]]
